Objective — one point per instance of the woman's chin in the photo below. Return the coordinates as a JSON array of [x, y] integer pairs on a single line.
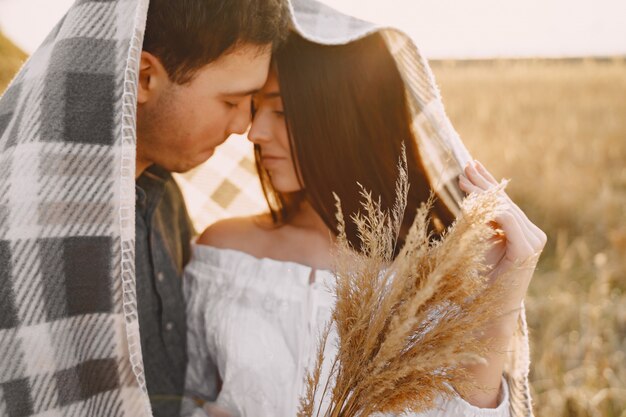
[[285, 186]]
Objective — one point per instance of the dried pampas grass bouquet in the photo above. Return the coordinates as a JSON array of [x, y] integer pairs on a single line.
[[406, 326]]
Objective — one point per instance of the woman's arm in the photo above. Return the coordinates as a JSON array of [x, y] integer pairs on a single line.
[[520, 242]]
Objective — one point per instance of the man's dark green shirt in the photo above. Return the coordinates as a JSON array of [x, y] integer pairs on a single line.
[[162, 249]]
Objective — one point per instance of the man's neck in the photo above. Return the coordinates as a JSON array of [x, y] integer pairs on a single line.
[[140, 167]]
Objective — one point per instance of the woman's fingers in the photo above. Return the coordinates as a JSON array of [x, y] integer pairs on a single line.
[[532, 235], [483, 171], [523, 238], [518, 246], [523, 222], [476, 178], [536, 236], [466, 185], [482, 178]]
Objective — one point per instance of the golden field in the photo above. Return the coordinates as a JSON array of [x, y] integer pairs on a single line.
[[11, 59], [558, 130]]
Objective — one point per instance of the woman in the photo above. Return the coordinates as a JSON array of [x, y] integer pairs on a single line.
[[327, 118]]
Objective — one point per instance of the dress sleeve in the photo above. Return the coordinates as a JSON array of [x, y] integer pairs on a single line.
[[457, 406], [202, 378]]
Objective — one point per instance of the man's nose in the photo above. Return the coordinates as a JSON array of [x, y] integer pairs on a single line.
[[242, 119]]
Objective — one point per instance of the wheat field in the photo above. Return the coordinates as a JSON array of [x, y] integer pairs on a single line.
[[558, 130], [11, 59]]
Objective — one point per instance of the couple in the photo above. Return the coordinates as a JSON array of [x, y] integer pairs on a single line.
[[228, 322]]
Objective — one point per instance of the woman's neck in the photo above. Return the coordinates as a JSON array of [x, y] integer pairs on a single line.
[[306, 217]]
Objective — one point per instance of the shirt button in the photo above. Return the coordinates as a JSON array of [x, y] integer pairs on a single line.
[[160, 277], [169, 326]]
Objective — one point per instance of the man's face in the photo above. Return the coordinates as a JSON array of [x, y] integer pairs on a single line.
[[179, 126]]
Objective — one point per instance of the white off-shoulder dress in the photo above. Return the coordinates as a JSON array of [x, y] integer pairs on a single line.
[[256, 323]]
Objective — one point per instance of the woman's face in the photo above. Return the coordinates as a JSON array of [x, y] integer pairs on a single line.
[[269, 132]]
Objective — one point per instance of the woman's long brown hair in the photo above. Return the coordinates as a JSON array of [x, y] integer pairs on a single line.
[[347, 117]]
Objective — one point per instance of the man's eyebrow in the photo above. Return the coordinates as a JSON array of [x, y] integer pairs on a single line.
[[241, 93]]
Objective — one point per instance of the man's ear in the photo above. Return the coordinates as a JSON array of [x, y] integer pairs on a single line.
[[152, 77]]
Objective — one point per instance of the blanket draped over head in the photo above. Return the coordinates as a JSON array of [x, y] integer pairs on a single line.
[[69, 335]]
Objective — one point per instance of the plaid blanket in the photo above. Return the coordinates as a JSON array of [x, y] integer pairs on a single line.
[[69, 338], [68, 325]]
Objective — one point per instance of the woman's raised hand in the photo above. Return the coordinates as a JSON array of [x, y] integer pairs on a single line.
[[521, 240]]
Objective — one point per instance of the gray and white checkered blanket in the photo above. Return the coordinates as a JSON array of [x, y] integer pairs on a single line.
[[68, 325], [69, 336]]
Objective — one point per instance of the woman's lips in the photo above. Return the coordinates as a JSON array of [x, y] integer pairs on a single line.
[[270, 160]]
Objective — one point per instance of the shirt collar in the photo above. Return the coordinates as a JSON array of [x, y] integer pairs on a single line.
[[149, 188]]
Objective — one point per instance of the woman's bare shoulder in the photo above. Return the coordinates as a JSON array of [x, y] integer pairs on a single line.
[[244, 234]]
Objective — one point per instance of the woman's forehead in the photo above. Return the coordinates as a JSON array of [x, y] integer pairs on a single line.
[[271, 88]]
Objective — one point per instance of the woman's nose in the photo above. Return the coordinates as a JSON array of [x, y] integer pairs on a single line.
[[259, 132]]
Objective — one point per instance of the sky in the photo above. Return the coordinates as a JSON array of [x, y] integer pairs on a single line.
[[442, 28]]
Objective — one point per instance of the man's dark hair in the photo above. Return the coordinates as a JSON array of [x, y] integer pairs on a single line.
[[186, 35]]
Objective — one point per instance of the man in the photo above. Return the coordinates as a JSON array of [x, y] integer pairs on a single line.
[[201, 61]]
